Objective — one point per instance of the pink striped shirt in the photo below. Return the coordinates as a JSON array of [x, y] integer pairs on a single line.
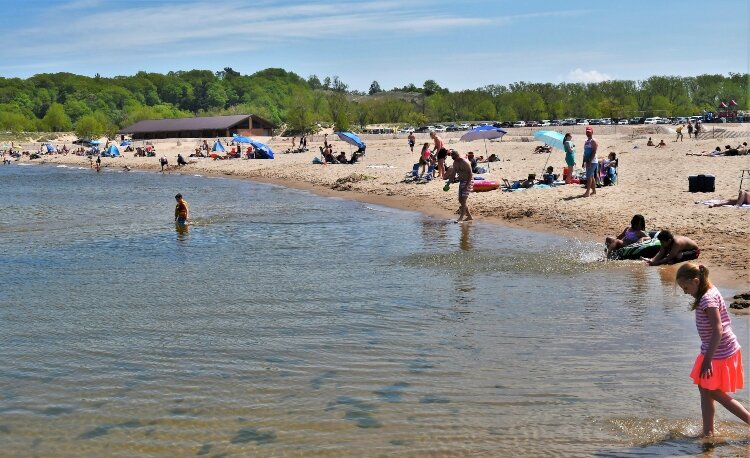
[[728, 344]]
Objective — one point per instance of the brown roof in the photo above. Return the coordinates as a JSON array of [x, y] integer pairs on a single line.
[[186, 124]]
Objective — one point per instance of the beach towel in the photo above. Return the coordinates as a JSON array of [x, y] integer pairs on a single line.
[[716, 201]]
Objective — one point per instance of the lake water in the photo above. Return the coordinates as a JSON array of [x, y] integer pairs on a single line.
[[287, 324]]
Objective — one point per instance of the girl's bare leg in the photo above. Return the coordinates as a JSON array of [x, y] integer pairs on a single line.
[[708, 411], [731, 405]]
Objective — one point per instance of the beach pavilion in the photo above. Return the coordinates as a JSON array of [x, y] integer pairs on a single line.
[[204, 127]]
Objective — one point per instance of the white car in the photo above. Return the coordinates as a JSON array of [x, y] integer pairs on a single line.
[[583, 122], [651, 121], [406, 130], [464, 126], [622, 122], [439, 128], [519, 124], [545, 123]]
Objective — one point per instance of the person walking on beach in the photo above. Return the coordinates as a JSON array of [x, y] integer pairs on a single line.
[[679, 132], [718, 368], [570, 156], [181, 210], [412, 140], [98, 162], [163, 161], [697, 129], [590, 162], [461, 169], [690, 129]]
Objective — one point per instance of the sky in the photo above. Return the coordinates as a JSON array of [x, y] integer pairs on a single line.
[[461, 44]]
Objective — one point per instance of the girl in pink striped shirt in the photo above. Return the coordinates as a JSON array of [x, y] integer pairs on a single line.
[[718, 368]]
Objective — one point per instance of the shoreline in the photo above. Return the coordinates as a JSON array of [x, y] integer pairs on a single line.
[[652, 182]]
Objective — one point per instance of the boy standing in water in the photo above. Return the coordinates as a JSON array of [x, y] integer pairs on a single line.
[[181, 211], [462, 169]]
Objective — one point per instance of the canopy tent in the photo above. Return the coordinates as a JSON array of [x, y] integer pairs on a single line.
[[112, 151], [126, 143], [51, 148], [218, 147]]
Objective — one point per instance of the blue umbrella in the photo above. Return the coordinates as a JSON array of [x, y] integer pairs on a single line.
[[483, 133], [261, 149], [550, 137], [352, 139], [240, 139], [51, 148], [126, 143]]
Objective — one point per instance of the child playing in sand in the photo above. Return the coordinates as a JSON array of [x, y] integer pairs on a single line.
[[718, 367]]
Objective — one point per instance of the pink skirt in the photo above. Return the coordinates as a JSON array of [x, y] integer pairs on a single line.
[[727, 374]]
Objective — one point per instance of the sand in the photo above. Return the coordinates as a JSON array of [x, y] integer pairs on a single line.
[[652, 182]]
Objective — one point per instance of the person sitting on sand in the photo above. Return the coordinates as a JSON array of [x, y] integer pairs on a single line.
[[661, 144], [328, 157], [633, 234], [742, 149], [342, 158], [543, 149], [742, 199], [650, 142], [729, 151], [529, 181], [181, 160], [674, 249], [472, 160], [549, 177], [491, 158]]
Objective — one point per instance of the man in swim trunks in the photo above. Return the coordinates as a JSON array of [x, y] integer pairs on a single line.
[[441, 152], [461, 169], [181, 211], [674, 249]]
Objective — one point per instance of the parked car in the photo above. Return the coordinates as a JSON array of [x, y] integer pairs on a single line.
[[406, 130], [582, 122], [439, 128], [622, 122], [651, 121], [569, 122], [451, 128], [519, 124], [423, 129], [464, 126], [636, 120], [606, 121], [532, 123], [555, 122], [595, 122], [663, 121]]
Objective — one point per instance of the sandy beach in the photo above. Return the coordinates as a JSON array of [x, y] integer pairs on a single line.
[[652, 182]]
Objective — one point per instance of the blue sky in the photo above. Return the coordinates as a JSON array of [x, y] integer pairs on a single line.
[[460, 44]]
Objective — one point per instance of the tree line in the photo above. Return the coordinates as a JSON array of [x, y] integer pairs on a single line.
[[94, 106]]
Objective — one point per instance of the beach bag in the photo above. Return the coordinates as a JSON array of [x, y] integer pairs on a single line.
[[316, 160]]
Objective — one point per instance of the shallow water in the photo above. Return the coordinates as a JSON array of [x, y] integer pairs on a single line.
[[286, 324]]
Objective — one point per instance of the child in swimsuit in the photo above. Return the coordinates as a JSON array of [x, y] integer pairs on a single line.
[[633, 234]]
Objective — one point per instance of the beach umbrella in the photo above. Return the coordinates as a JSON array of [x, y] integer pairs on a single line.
[[261, 149], [552, 138], [126, 143], [483, 133], [352, 139], [51, 148], [240, 139]]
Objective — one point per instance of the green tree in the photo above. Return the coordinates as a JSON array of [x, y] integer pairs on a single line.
[[55, 120], [374, 88], [88, 127], [485, 110]]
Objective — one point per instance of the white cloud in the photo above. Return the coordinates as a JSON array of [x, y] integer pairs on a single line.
[[592, 76]]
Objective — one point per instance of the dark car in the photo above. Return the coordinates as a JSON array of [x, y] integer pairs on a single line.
[[555, 122], [451, 128], [532, 124], [422, 130], [636, 120]]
